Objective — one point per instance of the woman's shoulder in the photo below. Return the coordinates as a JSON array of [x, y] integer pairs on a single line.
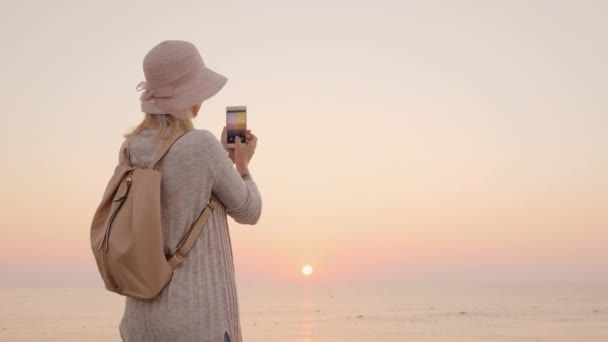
[[200, 136], [194, 142], [201, 141]]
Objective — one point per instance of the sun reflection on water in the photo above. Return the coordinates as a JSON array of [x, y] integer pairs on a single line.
[[307, 326]]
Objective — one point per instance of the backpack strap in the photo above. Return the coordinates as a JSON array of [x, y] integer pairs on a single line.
[[187, 242], [127, 159], [166, 148]]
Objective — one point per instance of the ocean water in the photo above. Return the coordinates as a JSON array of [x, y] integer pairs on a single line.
[[550, 312]]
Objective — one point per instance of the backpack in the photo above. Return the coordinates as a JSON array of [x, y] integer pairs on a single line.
[[126, 232]]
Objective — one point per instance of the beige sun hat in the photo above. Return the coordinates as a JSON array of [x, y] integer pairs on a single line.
[[176, 79]]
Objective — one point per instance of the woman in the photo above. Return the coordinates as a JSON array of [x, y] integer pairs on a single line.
[[200, 302]]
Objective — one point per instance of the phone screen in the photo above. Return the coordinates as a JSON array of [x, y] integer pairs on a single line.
[[236, 123]]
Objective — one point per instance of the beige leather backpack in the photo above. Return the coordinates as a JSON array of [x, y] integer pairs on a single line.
[[126, 232]]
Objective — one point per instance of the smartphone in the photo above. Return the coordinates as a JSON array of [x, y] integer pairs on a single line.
[[236, 124]]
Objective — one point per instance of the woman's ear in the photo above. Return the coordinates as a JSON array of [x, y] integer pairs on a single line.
[[194, 109]]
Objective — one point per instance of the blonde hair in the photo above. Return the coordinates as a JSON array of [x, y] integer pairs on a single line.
[[165, 124]]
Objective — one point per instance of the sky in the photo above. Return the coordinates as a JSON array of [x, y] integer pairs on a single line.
[[399, 141]]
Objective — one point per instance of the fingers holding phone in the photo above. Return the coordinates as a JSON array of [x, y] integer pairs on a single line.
[[248, 136], [239, 139], [243, 152]]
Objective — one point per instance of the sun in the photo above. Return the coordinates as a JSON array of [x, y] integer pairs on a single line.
[[307, 270]]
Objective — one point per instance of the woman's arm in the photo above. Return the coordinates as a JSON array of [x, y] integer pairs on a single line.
[[240, 196]]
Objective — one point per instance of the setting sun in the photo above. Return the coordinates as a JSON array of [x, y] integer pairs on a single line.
[[307, 270]]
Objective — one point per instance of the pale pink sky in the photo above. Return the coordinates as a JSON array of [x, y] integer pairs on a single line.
[[399, 140]]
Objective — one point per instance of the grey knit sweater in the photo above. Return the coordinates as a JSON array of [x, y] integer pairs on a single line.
[[200, 303]]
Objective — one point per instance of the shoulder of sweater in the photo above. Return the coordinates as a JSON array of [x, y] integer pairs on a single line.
[[201, 135], [204, 141]]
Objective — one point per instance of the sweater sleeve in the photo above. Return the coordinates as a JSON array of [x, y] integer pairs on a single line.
[[240, 197]]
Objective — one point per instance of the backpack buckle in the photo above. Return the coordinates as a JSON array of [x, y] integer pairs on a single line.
[[175, 259]]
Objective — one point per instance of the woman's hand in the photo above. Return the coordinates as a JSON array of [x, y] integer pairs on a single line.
[[230, 151], [243, 152]]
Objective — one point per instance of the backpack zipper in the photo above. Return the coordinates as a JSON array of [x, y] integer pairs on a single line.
[[108, 274], [106, 237]]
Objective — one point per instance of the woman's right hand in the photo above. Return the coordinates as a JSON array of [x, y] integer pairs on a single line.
[[243, 152]]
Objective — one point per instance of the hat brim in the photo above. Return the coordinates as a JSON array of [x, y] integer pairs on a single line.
[[211, 84], [200, 89]]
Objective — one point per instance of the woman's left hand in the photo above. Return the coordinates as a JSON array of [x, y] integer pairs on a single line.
[[230, 150]]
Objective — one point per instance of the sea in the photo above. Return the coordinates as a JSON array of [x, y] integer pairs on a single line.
[[331, 313]]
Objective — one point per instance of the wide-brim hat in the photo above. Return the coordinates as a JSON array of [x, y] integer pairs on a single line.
[[176, 79]]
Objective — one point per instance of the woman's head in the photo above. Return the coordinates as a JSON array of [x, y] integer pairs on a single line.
[[177, 82]]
